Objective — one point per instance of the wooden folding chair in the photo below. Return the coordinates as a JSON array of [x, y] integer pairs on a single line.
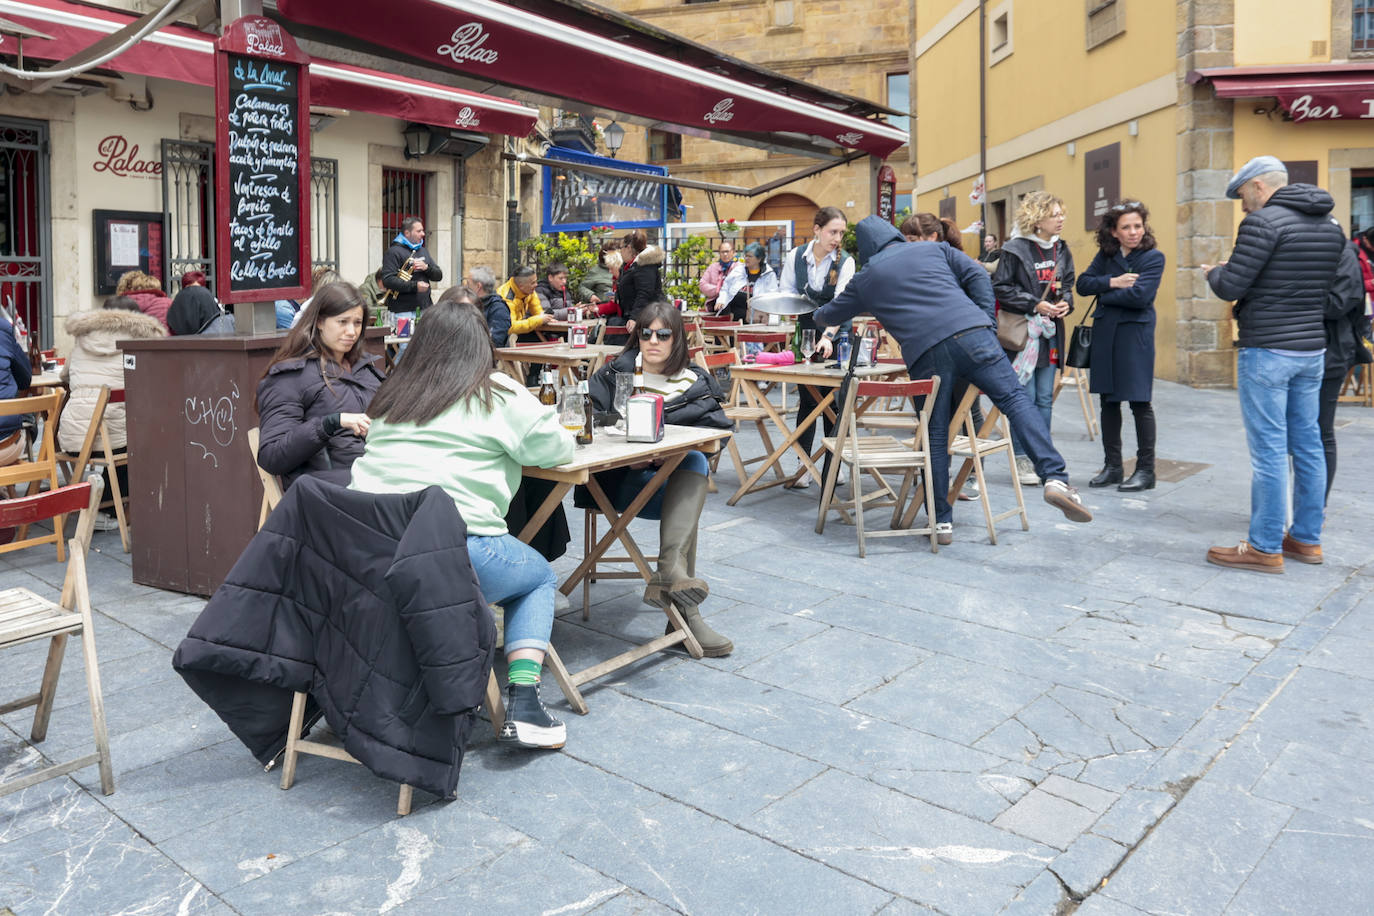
[[739, 411], [875, 454], [772, 341], [47, 408], [78, 464], [1358, 387], [1077, 379], [25, 617], [974, 446], [590, 537], [271, 486]]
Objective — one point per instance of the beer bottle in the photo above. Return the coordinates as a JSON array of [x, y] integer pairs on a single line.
[[639, 373], [548, 395], [584, 436]]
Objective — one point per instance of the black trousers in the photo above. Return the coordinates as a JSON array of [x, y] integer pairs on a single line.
[[1144, 415], [1326, 422]]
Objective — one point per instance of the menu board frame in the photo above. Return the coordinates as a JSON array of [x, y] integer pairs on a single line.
[[257, 38]]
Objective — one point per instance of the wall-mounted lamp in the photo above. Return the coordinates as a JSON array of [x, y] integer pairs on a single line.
[[1133, 128], [1071, 148], [421, 140], [614, 135]]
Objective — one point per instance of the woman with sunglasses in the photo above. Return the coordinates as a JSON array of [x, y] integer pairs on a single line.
[[691, 397], [1124, 276]]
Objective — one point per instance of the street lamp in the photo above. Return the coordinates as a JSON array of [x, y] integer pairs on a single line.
[[614, 135], [421, 140]]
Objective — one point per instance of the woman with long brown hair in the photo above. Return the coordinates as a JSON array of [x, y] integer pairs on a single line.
[[447, 418], [312, 397]]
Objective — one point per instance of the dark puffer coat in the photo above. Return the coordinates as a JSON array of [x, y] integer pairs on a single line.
[[293, 401], [640, 284], [369, 603], [1284, 261]]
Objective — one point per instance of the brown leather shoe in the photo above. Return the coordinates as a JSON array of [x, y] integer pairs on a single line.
[[1243, 556], [1303, 553]]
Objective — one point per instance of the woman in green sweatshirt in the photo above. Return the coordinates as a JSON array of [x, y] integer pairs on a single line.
[[445, 417]]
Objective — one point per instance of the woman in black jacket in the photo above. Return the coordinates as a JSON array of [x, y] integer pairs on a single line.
[[1124, 276], [691, 397], [1034, 276], [312, 399], [1347, 328], [641, 279]]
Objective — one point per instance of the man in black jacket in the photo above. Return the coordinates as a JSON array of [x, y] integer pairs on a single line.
[[1285, 258], [482, 282], [408, 252]]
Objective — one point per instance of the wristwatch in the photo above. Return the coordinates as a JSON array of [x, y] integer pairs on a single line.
[[828, 335]]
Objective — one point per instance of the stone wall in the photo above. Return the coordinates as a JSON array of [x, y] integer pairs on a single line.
[[1205, 217]]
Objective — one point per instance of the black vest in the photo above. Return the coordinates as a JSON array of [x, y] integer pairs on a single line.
[[825, 293]]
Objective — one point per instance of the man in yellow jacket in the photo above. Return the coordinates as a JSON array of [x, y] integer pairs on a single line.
[[526, 314]]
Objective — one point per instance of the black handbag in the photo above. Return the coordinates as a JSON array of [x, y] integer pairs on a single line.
[[1081, 343]]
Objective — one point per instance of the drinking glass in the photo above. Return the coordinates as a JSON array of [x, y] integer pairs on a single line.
[[570, 410], [808, 343], [624, 385]]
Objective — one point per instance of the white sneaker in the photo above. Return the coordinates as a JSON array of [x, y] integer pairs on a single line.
[[944, 533], [1025, 472], [105, 522], [1066, 499]]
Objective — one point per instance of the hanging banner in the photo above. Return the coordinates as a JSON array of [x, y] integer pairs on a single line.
[[262, 158], [979, 195], [887, 194]]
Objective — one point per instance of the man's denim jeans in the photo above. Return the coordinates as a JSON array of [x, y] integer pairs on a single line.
[[513, 574], [1279, 402], [1040, 389], [975, 355]]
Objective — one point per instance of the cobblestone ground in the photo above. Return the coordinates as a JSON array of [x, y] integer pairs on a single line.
[[1083, 716]]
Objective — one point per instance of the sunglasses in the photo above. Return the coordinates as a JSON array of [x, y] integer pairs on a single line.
[[1125, 205], [663, 334]]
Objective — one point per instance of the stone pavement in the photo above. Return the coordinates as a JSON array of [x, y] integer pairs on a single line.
[[1081, 713]]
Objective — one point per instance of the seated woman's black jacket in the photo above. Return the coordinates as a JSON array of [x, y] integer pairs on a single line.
[[700, 405]]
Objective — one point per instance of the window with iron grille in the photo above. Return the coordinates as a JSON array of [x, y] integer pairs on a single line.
[[25, 268], [1362, 26], [188, 211], [404, 194], [324, 213]]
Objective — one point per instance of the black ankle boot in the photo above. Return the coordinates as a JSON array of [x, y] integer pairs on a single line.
[[1142, 479], [1107, 476]]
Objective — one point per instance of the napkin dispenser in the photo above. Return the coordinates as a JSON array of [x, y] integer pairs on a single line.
[[644, 418]]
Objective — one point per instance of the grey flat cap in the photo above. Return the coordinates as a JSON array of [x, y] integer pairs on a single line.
[[1260, 165]]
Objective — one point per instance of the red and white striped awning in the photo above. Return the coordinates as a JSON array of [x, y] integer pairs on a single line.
[[505, 44], [187, 56]]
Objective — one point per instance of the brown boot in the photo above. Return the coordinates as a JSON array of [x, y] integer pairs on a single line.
[[1243, 556], [1303, 553], [713, 644], [683, 499]]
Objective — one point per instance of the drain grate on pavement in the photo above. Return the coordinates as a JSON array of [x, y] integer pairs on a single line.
[[1168, 469]]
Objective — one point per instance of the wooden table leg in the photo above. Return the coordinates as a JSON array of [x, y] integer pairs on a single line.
[[792, 436]]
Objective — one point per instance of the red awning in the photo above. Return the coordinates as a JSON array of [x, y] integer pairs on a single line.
[[187, 56], [505, 44], [1312, 92]]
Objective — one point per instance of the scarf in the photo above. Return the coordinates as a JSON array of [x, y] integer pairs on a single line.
[[400, 239], [1037, 326]]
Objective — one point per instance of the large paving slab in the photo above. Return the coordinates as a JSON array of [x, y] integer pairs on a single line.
[[1082, 717]]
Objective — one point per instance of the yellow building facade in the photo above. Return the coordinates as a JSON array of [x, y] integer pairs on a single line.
[[859, 52], [1103, 101]]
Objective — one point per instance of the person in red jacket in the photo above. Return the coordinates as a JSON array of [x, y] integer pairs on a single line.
[[147, 292]]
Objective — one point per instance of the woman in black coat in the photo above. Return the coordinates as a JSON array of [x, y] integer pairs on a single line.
[[312, 399], [641, 279], [691, 397], [1347, 328], [1124, 276]]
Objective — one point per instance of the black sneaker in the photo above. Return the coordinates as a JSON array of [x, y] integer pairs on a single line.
[[528, 723]]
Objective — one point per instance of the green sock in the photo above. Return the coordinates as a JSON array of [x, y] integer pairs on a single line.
[[523, 671]]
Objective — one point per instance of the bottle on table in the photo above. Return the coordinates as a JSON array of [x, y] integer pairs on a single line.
[[584, 435], [842, 347], [548, 394], [639, 373]]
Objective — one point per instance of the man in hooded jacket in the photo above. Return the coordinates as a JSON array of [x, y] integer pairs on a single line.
[[1287, 252], [938, 304]]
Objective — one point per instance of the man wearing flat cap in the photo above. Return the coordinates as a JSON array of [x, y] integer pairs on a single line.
[[1284, 261]]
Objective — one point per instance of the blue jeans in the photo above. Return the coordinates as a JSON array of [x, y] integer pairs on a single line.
[[1279, 402], [635, 481], [1040, 389], [513, 575], [976, 355]]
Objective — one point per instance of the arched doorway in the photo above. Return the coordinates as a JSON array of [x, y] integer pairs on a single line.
[[800, 210]]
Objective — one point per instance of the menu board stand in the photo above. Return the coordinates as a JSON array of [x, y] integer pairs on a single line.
[[262, 169]]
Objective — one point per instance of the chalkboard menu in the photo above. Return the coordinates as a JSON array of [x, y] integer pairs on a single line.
[[263, 163]]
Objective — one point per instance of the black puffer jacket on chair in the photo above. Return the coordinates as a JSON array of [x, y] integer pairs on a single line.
[[370, 604]]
